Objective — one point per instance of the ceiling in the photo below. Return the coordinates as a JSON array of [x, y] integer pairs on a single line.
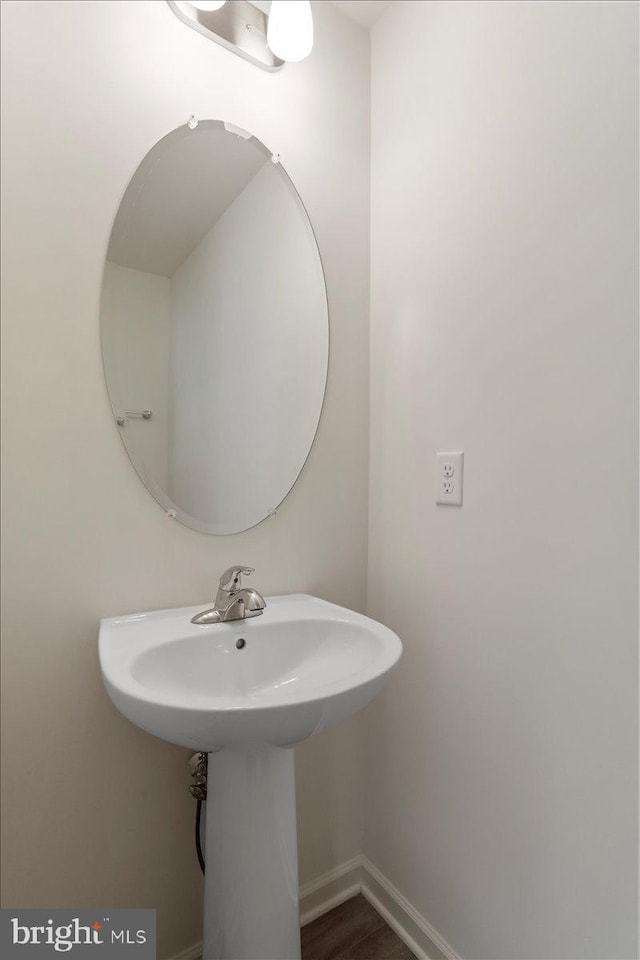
[[365, 12], [178, 192]]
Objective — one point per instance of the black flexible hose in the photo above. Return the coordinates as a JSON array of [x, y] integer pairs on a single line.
[[198, 843]]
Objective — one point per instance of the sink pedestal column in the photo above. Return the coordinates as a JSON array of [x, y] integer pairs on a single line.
[[251, 881]]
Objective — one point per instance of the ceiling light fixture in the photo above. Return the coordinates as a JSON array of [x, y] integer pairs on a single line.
[[290, 29], [239, 26]]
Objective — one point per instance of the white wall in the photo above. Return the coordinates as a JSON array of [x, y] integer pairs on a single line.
[[95, 811], [503, 761], [135, 311], [249, 344]]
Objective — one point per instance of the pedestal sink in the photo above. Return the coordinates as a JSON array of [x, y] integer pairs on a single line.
[[244, 692]]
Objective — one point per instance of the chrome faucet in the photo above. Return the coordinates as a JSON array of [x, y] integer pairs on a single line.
[[233, 601]]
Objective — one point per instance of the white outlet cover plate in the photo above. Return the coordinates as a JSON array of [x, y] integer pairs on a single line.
[[449, 469]]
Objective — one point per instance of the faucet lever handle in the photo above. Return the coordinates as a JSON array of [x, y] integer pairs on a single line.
[[230, 579]]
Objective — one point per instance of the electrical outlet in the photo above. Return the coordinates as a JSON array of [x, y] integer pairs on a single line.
[[449, 478]]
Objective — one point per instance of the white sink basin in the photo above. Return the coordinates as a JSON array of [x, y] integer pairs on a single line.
[[305, 664], [244, 692]]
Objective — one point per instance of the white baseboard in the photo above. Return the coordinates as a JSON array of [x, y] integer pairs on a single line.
[[418, 934], [330, 890], [359, 875], [355, 876]]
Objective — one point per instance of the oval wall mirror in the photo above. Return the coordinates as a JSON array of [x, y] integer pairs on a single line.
[[214, 325]]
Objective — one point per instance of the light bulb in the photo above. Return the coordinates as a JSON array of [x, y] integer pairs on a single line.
[[207, 5], [290, 29]]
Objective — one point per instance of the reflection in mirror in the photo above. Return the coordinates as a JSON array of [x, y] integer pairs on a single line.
[[214, 321]]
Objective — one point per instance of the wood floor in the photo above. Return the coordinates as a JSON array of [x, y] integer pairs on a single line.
[[352, 931]]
